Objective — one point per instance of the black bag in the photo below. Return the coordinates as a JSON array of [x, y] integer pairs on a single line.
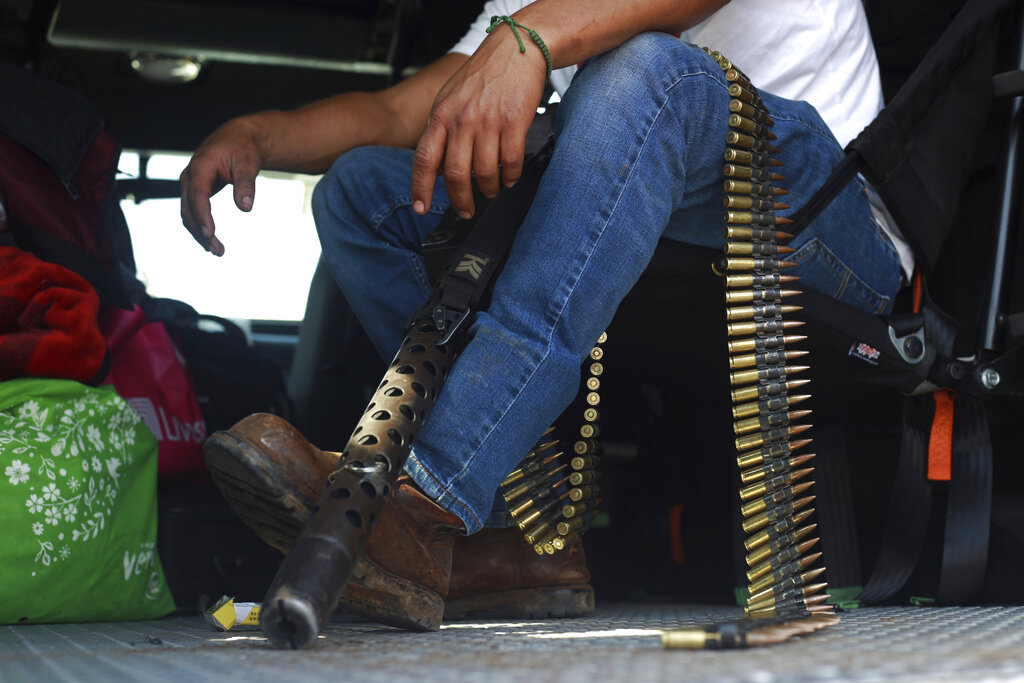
[[232, 379]]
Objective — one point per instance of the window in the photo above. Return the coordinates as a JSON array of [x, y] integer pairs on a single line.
[[270, 252]]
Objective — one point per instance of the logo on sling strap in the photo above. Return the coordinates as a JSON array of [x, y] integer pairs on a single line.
[[472, 264]]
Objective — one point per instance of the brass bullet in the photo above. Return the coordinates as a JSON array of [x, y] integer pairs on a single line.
[[734, 313], [596, 369], [763, 391], [744, 94], [545, 503], [760, 295], [755, 173], [759, 218], [533, 535], [794, 596], [770, 516], [783, 572], [734, 76], [762, 358], [758, 144], [593, 398], [761, 327], [545, 446], [588, 477], [746, 248], [734, 263], [766, 486], [767, 405], [571, 510], [731, 201], [758, 113], [533, 483], [764, 342], [589, 431], [596, 353], [750, 158], [764, 375], [584, 446], [773, 468], [774, 531], [753, 188], [568, 525], [603, 338], [584, 462], [530, 468], [582, 493], [784, 556], [748, 232], [798, 606], [793, 581], [591, 415], [748, 280], [770, 452], [773, 499], [812, 600], [593, 383], [560, 542], [774, 420], [692, 638], [776, 545], [748, 125]]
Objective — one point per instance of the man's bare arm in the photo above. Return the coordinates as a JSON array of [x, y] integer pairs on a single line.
[[306, 140]]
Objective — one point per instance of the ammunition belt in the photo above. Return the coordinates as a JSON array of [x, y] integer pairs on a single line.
[[552, 496], [783, 598]]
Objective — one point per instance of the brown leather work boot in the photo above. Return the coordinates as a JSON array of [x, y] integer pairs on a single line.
[[402, 579], [271, 476], [497, 575]]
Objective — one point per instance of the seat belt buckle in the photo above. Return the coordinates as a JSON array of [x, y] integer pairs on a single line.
[[448, 321]]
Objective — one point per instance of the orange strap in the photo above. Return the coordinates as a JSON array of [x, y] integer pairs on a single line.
[[940, 442], [918, 288]]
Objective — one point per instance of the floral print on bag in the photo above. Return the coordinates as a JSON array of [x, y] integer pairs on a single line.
[[67, 468]]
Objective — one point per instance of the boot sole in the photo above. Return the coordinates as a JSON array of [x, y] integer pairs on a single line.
[[257, 490], [524, 603], [378, 595]]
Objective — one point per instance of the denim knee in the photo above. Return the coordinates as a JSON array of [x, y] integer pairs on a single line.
[[646, 63]]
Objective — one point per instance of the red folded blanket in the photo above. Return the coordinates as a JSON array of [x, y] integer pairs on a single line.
[[48, 321]]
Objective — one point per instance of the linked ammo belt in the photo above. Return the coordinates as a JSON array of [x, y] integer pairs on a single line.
[[784, 598]]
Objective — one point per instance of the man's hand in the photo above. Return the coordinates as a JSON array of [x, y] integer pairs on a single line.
[[230, 155], [477, 126]]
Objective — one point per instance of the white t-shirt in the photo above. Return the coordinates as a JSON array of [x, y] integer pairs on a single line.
[[819, 51], [814, 50]]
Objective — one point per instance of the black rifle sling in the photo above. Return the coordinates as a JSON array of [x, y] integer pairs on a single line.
[[473, 265]]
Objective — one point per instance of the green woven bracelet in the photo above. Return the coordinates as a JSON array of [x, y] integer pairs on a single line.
[[514, 25]]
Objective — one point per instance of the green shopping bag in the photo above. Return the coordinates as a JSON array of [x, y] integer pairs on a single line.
[[77, 506]]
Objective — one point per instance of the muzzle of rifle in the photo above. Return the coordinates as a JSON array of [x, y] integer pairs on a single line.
[[324, 556]]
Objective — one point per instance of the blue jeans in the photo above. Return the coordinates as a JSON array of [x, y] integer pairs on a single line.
[[638, 155]]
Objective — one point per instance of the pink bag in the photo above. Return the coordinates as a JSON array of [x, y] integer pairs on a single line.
[[149, 372]]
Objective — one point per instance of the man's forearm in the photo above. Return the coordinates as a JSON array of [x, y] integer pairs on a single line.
[[574, 32], [309, 139]]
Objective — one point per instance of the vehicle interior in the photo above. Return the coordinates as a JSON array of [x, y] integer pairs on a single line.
[[165, 73]]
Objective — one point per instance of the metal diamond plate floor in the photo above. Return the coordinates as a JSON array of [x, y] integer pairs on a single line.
[[619, 643]]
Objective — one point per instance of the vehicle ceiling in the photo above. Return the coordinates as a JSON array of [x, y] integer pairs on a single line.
[[254, 54]]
